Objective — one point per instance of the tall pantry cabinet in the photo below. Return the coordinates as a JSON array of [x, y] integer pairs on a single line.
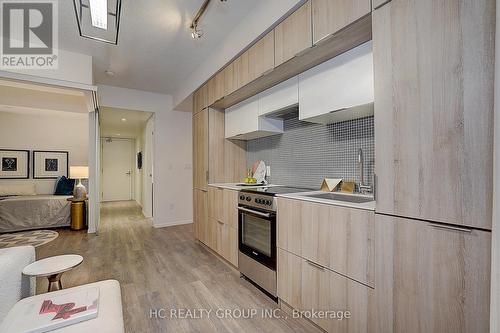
[[434, 64]]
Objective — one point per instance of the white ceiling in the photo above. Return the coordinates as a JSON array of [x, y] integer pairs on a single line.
[[155, 50], [112, 124]]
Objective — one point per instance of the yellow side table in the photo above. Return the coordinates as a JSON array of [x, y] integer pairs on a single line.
[[78, 213]]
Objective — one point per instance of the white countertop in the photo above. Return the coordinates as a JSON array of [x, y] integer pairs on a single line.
[[236, 187], [303, 196]]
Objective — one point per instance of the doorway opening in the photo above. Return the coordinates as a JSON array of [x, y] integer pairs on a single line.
[[126, 163]]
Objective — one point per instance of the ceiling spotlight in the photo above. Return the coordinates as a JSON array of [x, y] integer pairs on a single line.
[[109, 73], [123, 119], [196, 33], [118, 134]]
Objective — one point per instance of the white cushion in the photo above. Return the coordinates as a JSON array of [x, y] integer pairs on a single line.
[[18, 189], [13, 284], [109, 318]]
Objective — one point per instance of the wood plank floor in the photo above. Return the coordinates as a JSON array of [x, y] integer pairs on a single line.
[[164, 269]]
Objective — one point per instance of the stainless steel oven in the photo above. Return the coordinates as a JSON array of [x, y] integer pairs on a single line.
[[257, 240]]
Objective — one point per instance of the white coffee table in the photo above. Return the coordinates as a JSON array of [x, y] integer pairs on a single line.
[[53, 268]]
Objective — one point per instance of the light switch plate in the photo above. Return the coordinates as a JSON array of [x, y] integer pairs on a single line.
[[268, 170]]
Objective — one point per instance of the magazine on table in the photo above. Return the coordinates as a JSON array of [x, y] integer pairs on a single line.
[[53, 312]]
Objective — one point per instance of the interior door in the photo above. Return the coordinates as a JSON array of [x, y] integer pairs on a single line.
[[117, 169]]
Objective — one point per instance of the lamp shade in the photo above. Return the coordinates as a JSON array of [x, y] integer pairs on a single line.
[[78, 172]]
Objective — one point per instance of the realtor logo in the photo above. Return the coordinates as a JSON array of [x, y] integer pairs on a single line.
[[29, 34]]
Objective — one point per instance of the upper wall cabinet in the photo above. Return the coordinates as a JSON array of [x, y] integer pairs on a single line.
[[329, 16], [434, 65], [261, 57], [215, 88], [339, 89], [242, 121], [229, 79], [293, 35], [200, 99], [241, 70], [279, 97]]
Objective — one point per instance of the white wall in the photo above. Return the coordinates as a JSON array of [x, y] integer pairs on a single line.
[[49, 131], [254, 25], [172, 177]]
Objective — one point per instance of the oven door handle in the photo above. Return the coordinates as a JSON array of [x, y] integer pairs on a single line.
[[254, 212]]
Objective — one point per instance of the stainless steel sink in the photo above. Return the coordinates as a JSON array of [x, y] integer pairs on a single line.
[[341, 197]]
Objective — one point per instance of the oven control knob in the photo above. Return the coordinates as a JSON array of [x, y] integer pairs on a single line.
[[257, 200], [269, 202], [242, 197], [249, 199]]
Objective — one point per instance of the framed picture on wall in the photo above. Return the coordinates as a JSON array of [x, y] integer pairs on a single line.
[[14, 164], [50, 164]]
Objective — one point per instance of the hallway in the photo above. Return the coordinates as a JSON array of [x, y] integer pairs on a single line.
[[163, 269]]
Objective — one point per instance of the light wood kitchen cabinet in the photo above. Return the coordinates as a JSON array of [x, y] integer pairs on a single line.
[[293, 35], [378, 3], [216, 146], [227, 243], [200, 215], [338, 238], [434, 110], [304, 285], [200, 149], [215, 203], [230, 208], [230, 79], [200, 99], [261, 56], [215, 88], [241, 70], [222, 230], [431, 277], [330, 16]]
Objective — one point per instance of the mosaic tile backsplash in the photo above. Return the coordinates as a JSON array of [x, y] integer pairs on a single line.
[[306, 153]]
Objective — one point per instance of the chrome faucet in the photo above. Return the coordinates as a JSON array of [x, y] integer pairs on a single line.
[[362, 188]]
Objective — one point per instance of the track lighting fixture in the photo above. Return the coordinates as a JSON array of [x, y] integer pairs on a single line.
[[195, 32]]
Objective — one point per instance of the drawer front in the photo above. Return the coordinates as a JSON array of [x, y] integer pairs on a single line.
[[307, 286], [338, 238]]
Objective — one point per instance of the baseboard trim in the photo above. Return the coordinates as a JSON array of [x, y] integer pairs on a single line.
[[171, 224]]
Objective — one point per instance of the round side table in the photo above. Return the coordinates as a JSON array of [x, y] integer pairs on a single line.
[[53, 268], [77, 213]]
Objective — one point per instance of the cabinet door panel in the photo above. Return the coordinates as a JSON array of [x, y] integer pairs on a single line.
[[280, 96], [338, 238], [330, 16], [215, 203], [230, 208], [200, 215], [200, 149], [229, 79], [434, 109], [439, 277], [200, 99], [293, 35], [261, 56], [241, 70], [306, 286]]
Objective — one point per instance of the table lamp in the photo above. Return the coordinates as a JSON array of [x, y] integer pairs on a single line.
[[79, 172]]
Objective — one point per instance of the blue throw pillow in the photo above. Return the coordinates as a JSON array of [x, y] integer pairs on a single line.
[[64, 186]]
